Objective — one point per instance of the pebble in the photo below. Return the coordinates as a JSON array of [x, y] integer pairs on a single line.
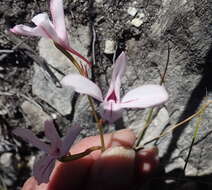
[[35, 115], [110, 47], [132, 11]]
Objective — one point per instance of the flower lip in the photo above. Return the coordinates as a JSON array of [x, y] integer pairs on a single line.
[[112, 96]]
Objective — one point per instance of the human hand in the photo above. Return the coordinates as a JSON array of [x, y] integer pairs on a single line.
[[119, 167]]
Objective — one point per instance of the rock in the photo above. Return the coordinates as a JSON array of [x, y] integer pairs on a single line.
[[139, 19], [3, 106], [6, 159], [132, 11], [110, 47], [99, 1], [167, 14], [185, 86], [35, 115], [137, 22], [6, 162]]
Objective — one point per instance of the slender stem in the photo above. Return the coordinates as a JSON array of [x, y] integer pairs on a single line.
[[150, 114], [146, 125], [180, 123], [82, 72], [70, 57], [99, 125], [193, 139], [71, 157]]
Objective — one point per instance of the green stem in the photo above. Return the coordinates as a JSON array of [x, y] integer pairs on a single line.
[[76, 64], [72, 157], [170, 129], [70, 57], [150, 114], [99, 125], [142, 132]]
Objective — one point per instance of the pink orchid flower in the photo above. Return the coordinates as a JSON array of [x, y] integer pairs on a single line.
[[58, 148], [112, 105], [55, 30]]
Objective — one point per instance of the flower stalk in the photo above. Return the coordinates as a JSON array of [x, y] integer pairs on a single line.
[[73, 157], [83, 73]]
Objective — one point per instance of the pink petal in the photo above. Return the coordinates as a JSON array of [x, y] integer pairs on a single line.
[[43, 168], [43, 22], [56, 7], [118, 71], [144, 96], [28, 31], [82, 85], [29, 137], [69, 139], [110, 111], [52, 134]]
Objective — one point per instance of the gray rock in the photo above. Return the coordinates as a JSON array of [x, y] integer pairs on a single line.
[[35, 115], [6, 159], [110, 46], [132, 11], [186, 87], [139, 19]]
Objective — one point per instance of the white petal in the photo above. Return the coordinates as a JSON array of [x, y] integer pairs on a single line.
[[110, 111], [28, 31], [52, 134], [69, 139], [43, 168], [82, 85], [119, 66], [29, 137], [56, 7], [43, 22], [118, 71], [144, 96]]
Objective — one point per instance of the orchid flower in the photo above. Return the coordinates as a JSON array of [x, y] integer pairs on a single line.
[[55, 30], [112, 105], [58, 148]]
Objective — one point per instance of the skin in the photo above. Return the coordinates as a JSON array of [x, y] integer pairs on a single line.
[[119, 167]]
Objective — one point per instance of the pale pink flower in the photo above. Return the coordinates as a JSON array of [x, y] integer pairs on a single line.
[[112, 105], [55, 30], [58, 148]]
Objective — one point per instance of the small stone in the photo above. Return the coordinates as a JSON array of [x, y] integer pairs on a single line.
[[141, 14], [110, 47], [35, 115], [132, 11], [162, 118], [99, 1], [31, 162], [6, 159], [139, 20]]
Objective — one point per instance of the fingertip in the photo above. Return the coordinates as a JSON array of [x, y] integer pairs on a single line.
[[70, 175], [31, 184]]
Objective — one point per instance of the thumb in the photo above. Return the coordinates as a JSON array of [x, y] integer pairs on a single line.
[[113, 170]]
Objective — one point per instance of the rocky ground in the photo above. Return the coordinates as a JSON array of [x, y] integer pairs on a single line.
[[145, 29]]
